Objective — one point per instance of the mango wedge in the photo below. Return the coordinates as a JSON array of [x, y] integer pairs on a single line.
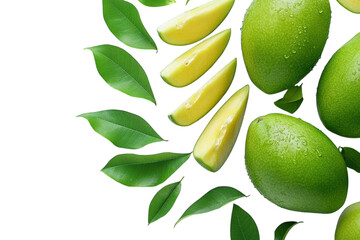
[[351, 5], [194, 25], [200, 103], [217, 140], [195, 62]]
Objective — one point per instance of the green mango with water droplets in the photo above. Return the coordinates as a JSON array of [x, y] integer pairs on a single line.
[[282, 40], [338, 93], [295, 165]]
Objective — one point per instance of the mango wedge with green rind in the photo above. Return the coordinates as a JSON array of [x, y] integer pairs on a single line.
[[351, 5], [195, 62], [217, 140], [200, 103], [195, 24]]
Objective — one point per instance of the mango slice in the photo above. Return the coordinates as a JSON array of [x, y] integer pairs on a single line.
[[217, 140], [351, 5], [194, 25], [200, 103], [195, 62]]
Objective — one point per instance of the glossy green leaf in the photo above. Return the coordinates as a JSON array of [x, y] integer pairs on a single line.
[[157, 3], [123, 129], [144, 170], [291, 100], [283, 229], [212, 200], [163, 201], [123, 20], [243, 226], [122, 72], [352, 158]]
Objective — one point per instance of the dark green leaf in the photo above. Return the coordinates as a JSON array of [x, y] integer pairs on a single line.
[[212, 200], [122, 72], [243, 226], [352, 158], [291, 100], [123, 20], [144, 170], [163, 201], [123, 129], [156, 3], [283, 229]]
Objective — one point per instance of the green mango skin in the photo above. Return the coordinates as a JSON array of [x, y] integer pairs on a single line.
[[282, 40], [338, 93], [348, 227], [295, 165]]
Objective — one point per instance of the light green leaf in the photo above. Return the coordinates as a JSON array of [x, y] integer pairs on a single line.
[[212, 200], [283, 229], [163, 201], [123, 129], [243, 226], [144, 170], [157, 3], [291, 100], [123, 20], [122, 72], [352, 158], [187, 1]]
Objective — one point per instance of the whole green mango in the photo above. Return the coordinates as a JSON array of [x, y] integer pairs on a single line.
[[348, 227], [338, 93], [282, 40], [295, 165]]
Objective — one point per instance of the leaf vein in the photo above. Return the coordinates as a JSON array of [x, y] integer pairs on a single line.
[[144, 36], [124, 70]]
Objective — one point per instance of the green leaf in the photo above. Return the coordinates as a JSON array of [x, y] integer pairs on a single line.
[[352, 158], [163, 201], [157, 3], [243, 226], [123, 20], [212, 200], [144, 170], [291, 100], [283, 229], [187, 1], [122, 72], [123, 129]]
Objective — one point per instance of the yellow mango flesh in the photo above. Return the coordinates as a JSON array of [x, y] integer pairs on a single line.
[[205, 98], [351, 5], [195, 24], [195, 62], [217, 140]]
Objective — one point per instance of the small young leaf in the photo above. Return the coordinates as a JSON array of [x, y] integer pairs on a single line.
[[144, 170], [243, 226], [157, 3], [291, 100], [123, 129], [163, 201], [352, 158], [122, 72], [123, 20], [283, 229], [212, 200]]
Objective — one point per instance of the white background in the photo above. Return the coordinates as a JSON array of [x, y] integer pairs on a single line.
[[50, 180]]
